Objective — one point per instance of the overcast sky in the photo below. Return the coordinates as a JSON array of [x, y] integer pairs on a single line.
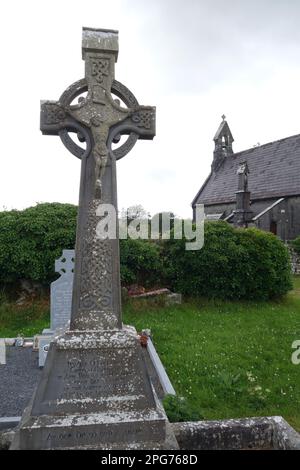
[[193, 59]]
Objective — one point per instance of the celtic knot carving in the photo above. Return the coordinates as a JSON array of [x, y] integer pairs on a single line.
[[54, 114], [142, 119], [96, 268], [100, 69]]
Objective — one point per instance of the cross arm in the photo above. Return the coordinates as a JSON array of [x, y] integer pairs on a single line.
[[55, 120], [141, 121], [53, 117]]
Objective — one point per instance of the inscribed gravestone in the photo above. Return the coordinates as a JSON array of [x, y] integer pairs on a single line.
[[60, 304], [61, 291], [95, 391]]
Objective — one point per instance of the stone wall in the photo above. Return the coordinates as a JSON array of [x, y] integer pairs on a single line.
[[270, 433], [295, 261]]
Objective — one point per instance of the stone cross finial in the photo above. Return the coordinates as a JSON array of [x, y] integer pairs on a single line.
[[223, 117], [65, 264], [99, 121]]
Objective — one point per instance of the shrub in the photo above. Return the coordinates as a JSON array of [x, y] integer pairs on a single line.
[[140, 262], [179, 410], [233, 264], [296, 245], [31, 240]]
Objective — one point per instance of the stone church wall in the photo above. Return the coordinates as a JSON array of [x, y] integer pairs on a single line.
[[285, 216], [295, 260]]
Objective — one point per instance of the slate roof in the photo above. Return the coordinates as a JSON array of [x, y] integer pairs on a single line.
[[274, 172]]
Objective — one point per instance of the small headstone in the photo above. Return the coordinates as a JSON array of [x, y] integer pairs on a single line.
[[61, 291], [2, 351], [60, 303]]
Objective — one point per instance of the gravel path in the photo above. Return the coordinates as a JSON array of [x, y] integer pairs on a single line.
[[18, 379]]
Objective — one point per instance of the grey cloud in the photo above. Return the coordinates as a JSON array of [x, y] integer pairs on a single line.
[[203, 42]]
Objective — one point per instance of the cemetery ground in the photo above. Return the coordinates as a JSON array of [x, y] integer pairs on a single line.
[[226, 359]]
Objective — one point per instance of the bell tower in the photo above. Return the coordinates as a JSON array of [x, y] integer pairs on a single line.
[[223, 144]]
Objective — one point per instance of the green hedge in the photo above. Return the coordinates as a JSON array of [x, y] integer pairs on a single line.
[[233, 264], [31, 240], [241, 264], [140, 262]]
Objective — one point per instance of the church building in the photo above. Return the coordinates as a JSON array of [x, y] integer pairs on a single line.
[[256, 187]]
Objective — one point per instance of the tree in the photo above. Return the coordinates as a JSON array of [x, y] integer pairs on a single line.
[[134, 212]]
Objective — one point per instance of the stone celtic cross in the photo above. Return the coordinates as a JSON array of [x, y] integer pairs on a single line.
[[95, 390], [99, 120]]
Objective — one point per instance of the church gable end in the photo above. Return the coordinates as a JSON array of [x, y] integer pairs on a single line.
[[274, 168], [274, 173]]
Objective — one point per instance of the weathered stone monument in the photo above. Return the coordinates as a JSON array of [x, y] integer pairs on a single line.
[[61, 291], [60, 315], [60, 303], [95, 390]]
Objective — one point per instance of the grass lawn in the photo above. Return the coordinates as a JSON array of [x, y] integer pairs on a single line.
[[228, 359]]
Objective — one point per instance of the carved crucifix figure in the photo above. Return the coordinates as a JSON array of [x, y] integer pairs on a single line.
[[99, 121]]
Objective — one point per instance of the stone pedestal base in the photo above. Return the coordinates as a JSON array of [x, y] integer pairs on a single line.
[[95, 393]]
